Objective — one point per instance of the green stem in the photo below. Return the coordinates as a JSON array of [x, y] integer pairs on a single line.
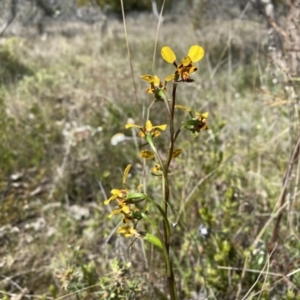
[[166, 252], [177, 133], [171, 146], [171, 279], [149, 108], [165, 175], [166, 192], [163, 214], [163, 96]]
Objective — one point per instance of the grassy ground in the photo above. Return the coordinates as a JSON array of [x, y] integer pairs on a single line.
[[64, 96]]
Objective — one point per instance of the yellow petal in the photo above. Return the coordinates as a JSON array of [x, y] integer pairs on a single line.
[[126, 209], [127, 230], [204, 115], [148, 78], [176, 153], [156, 133], [161, 127], [132, 125], [196, 53], [186, 61], [146, 154], [170, 77], [142, 134], [156, 81], [125, 174], [149, 90], [192, 69], [148, 126], [115, 194], [182, 107], [106, 202], [168, 54], [114, 212]]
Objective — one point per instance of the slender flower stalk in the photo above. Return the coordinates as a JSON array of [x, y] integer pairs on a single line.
[[130, 203]]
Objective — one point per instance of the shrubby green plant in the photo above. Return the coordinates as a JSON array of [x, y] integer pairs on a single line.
[[119, 285], [7, 125], [80, 279], [12, 68]]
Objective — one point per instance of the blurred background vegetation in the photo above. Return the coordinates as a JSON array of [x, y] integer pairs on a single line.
[[66, 89]]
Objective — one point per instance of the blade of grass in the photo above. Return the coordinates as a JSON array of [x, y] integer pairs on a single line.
[[157, 32], [130, 60]]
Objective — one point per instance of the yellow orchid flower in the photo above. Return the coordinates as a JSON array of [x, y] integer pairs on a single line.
[[155, 83], [128, 231], [186, 66], [116, 195], [176, 153], [157, 87], [123, 208], [156, 170], [147, 154], [202, 118], [197, 123], [154, 131]]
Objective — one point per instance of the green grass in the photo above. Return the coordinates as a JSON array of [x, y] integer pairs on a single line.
[[54, 233]]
